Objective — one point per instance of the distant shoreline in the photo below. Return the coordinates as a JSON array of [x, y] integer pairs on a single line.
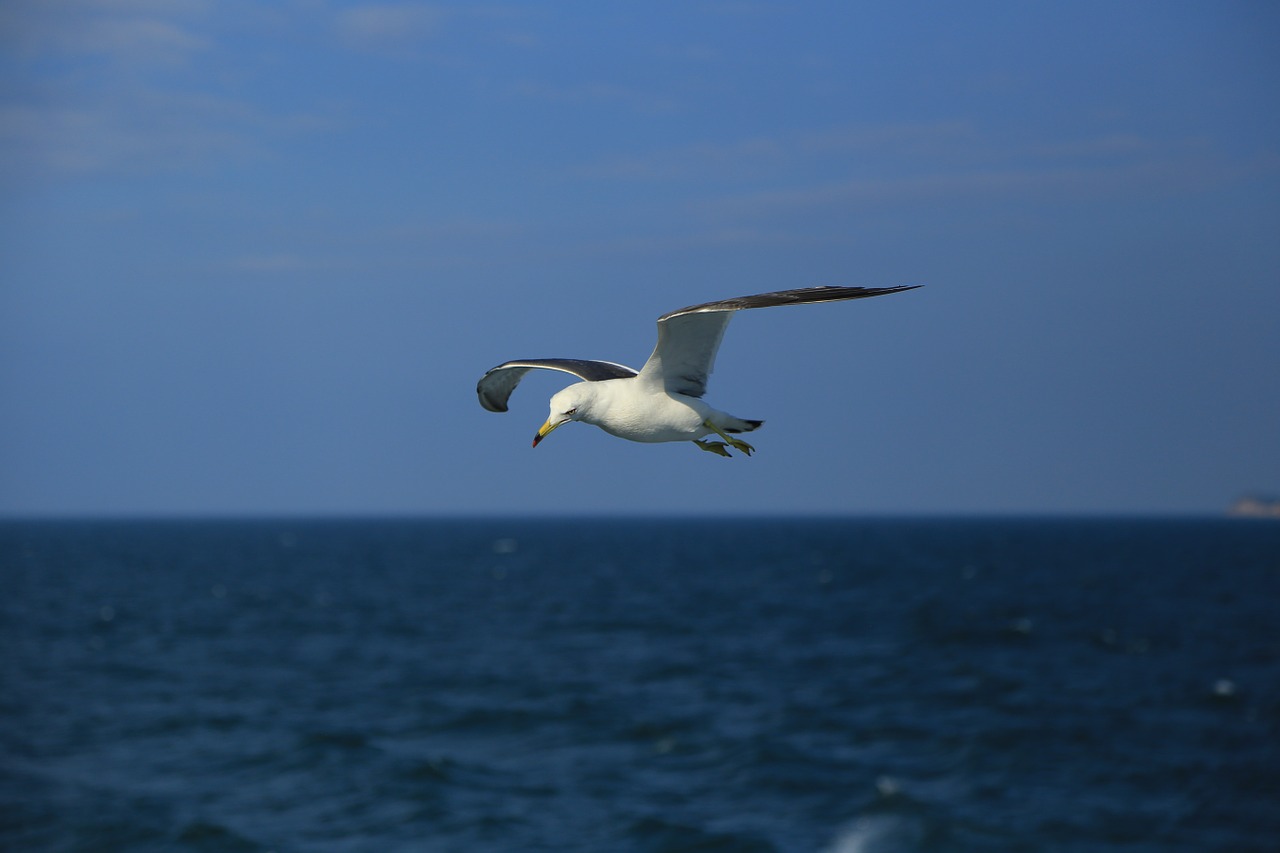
[[1256, 506]]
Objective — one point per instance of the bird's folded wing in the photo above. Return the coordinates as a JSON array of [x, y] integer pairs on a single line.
[[495, 387], [689, 338]]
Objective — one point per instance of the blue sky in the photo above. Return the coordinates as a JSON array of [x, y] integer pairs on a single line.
[[254, 257]]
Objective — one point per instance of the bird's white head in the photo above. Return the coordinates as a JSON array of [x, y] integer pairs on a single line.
[[571, 404]]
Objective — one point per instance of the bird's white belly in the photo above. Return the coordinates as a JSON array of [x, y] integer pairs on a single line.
[[656, 417]]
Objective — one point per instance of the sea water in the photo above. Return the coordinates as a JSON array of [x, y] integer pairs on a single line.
[[826, 686]]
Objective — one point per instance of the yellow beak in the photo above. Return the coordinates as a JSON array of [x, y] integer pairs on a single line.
[[545, 430]]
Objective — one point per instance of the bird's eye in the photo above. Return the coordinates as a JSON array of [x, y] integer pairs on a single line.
[[571, 411]]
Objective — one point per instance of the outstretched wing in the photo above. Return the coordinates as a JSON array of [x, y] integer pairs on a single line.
[[495, 387], [689, 338]]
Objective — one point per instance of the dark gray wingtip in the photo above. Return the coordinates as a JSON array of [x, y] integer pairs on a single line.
[[489, 402], [495, 388], [797, 296]]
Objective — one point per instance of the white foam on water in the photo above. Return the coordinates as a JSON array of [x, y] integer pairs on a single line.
[[875, 834]]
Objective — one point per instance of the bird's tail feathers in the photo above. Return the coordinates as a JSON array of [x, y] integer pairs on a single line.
[[739, 425]]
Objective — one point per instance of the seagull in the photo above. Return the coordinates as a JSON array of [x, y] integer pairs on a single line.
[[661, 401]]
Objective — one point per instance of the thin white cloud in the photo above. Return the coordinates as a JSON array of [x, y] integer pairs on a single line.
[[872, 165], [1165, 175], [160, 32], [149, 7], [743, 156], [135, 131], [881, 191], [452, 231], [1102, 146], [923, 136], [520, 38], [691, 238], [154, 39], [596, 92], [282, 262], [110, 100], [753, 156], [388, 26]]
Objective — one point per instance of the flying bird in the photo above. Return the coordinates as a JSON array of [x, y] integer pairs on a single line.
[[662, 401]]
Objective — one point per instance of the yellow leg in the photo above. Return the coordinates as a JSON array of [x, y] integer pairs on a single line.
[[733, 442]]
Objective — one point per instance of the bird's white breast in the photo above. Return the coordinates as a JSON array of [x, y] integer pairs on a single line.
[[642, 412]]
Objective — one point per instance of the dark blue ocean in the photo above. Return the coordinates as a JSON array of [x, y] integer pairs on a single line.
[[823, 686]]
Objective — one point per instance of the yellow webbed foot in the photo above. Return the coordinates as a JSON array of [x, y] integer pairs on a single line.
[[735, 443], [717, 447]]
